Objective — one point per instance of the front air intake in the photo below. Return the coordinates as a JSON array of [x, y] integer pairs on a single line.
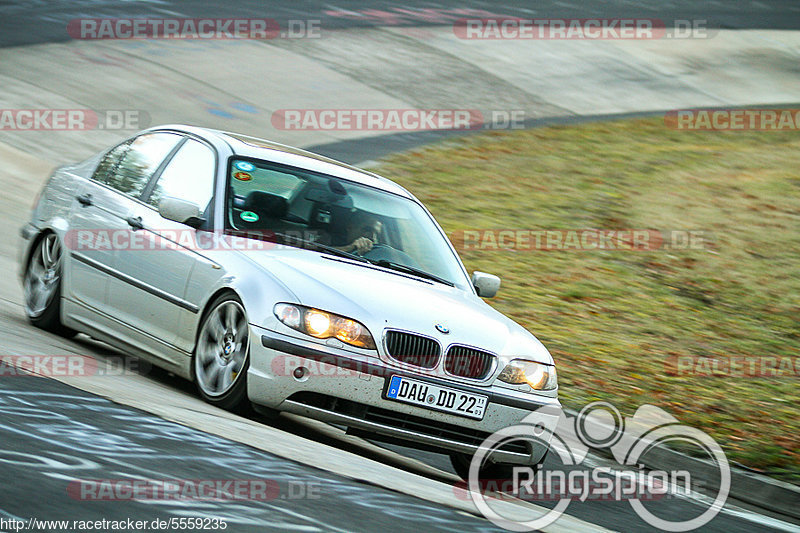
[[413, 349], [466, 362]]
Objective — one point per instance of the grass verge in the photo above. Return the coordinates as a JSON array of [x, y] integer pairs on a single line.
[[617, 320]]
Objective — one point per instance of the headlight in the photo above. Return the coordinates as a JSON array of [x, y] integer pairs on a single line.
[[537, 375], [324, 325]]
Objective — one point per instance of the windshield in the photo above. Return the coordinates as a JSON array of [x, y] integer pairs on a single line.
[[379, 226]]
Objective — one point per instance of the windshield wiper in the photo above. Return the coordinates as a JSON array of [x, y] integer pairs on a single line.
[[411, 270], [381, 262], [287, 239]]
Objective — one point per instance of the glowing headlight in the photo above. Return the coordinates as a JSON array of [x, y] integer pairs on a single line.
[[318, 323], [537, 375], [324, 325]]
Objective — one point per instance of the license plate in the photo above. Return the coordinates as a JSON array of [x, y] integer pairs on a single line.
[[435, 397]]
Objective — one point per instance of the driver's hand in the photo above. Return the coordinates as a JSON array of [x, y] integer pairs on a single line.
[[361, 245]]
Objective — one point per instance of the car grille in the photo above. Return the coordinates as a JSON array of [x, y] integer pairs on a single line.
[[415, 424], [468, 362], [413, 349]]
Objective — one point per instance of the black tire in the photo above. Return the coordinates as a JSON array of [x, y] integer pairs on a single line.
[[42, 286], [267, 413], [490, 470], [208, 358]]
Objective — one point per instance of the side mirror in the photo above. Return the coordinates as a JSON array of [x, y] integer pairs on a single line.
[[487, 285], [181, 211]]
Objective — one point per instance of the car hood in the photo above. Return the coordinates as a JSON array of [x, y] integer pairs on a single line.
[[381, 299]]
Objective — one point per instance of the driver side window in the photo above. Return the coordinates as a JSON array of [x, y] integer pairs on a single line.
[[188, 176]]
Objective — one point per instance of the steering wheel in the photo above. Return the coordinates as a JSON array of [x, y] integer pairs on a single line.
[[377, 252]]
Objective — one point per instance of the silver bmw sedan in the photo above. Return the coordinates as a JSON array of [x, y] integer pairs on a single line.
[[282, 280]]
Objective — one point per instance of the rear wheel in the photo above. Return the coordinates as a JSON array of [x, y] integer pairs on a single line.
[[42, 286], [221, 356]]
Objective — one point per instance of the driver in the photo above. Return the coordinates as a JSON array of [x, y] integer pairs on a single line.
[[362, 232]]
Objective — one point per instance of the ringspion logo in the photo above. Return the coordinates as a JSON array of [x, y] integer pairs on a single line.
[[599, 425]]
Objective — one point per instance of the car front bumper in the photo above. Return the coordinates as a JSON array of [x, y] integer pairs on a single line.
[[347, 389]]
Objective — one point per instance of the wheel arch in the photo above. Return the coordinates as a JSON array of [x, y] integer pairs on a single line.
[[204, 312], [32, 244], [58, 226]]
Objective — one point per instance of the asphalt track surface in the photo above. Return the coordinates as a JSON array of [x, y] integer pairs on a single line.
[[52, 434], [56, 437], [35, 21]]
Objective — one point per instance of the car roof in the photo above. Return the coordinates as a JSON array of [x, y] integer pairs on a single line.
[[247, 146]]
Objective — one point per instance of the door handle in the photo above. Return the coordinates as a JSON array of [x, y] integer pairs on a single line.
[[135, 223], [85, 199]]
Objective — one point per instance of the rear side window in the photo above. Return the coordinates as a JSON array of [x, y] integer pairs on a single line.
[[110, 162], [188, 176], [129, 167]]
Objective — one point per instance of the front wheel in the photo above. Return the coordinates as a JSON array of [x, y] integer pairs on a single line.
[[221, 356], [42, 286]]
